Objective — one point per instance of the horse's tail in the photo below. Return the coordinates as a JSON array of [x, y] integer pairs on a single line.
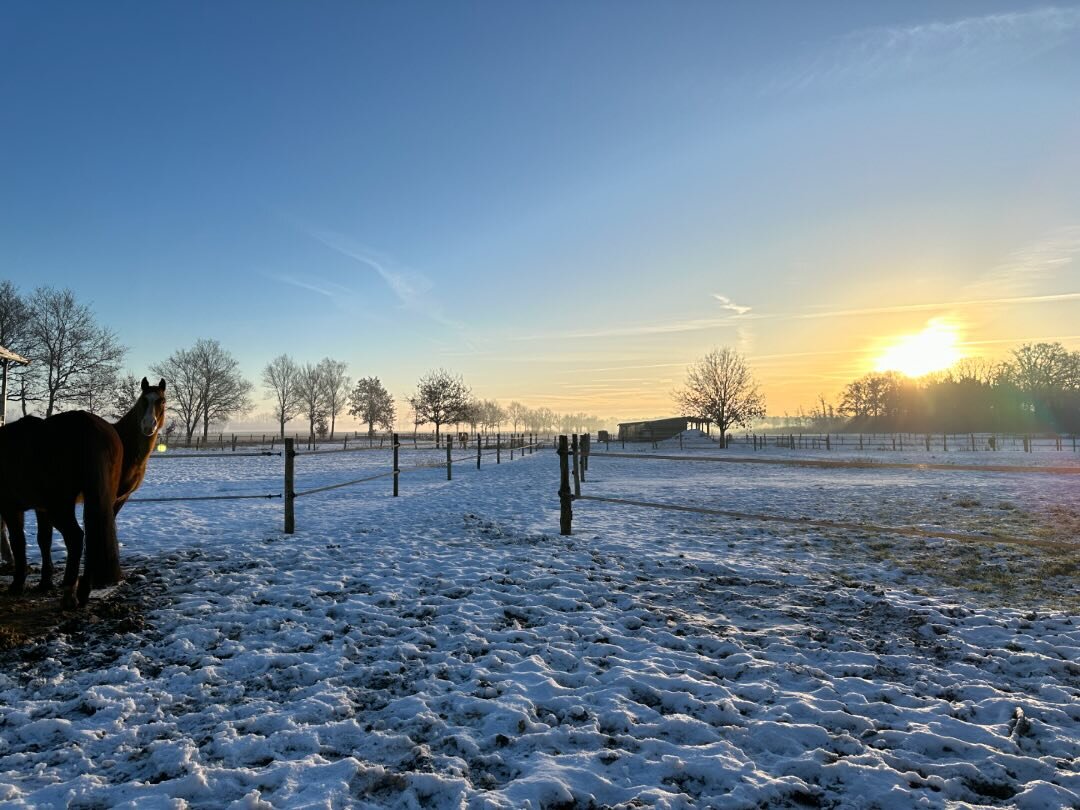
[[99, 499]]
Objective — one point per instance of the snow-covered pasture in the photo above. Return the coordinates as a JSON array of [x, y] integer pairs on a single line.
[[448, 648]]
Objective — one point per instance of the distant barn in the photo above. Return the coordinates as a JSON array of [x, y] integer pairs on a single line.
[[656, 430]]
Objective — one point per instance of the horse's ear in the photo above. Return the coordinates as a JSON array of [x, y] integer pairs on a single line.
[[145, 385], [161, 384]]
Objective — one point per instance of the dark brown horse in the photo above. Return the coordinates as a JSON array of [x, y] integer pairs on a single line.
[[137, 431], [51, 464]]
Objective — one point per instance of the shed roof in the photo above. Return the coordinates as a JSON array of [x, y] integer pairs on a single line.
[[659, 421], [11, 357]]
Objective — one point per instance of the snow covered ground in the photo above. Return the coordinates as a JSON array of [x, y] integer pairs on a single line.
[[449, 649]]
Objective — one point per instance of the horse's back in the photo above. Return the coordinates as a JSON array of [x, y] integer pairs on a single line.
[[56, 458], [82, 429]]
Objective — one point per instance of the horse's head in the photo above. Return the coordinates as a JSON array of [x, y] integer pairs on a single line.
[[151, 407]]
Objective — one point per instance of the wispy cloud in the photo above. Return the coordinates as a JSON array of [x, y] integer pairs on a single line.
[[968, 44], [407, 288], [1039, 261], [727, 303], [937, 305], [410, 288], [692, 325], [319, 286]]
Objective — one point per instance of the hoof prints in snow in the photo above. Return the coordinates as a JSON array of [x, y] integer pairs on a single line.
[[442, 659]]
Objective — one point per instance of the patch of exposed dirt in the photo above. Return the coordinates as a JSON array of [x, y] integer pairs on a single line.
[[34, 617]]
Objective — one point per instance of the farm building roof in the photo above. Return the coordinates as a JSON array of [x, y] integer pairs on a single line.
[[11, 357]]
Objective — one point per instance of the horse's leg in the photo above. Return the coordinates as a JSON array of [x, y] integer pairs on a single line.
[[64, 520], [44, 541], [14, 520], [102, 547]]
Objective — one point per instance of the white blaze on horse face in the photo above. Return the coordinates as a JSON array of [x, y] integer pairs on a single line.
[[149, 419]]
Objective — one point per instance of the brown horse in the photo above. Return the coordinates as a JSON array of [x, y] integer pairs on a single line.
[[137, 430], [51, 464]]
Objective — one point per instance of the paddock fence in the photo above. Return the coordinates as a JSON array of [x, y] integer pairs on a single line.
[[499, 448], [899, 442], [574, 453], [350, 439]]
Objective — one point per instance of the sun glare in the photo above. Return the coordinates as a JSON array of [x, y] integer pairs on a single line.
[[933, 349]]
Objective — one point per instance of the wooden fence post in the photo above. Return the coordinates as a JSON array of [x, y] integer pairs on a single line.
[[575, 449], [397, 470], [290, 515], [479, 450], [566, 511], [498, 448], [449, 443]]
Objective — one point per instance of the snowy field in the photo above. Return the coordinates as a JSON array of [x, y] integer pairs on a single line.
[[449, 649]]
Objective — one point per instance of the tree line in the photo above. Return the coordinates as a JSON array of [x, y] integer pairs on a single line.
[[76, 364], [1037, 389]]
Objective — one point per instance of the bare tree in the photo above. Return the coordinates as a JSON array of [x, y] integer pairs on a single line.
[[335, 388], [181, 369], [473, 414], [491, 414], [515, 412], [721, 388], [225, 393], [205, 386], [14, 318], [974, 369], [125, 391], [280, 379], [372, 404], [65, 339], [312, 392], [94, 393], [14, 335], [440, 399]]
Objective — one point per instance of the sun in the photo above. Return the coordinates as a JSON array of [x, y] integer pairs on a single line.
[[935, 348]]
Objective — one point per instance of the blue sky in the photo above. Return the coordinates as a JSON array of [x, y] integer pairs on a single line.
[[565, 202]]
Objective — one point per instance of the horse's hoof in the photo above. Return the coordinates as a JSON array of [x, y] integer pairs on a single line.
[[44, 586], [68, 602]]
